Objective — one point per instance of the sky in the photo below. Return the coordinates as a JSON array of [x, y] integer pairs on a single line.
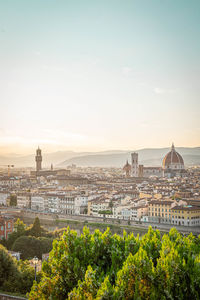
[[91, 75]]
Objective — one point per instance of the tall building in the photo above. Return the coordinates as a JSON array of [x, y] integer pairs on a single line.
[[173, 164], [134, 164], [38, 160]]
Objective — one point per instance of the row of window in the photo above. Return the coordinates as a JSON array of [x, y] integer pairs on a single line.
[[159, 215], [188, 223], [174, 217], [160, 209], [192, 212]]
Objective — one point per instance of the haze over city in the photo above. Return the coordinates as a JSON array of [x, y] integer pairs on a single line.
[[99, 75], [99, 149]]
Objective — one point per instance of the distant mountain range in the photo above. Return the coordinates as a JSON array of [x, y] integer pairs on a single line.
[[148, 157], [112, 158]]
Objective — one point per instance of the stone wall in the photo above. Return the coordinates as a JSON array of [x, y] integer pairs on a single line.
[[9, 297]]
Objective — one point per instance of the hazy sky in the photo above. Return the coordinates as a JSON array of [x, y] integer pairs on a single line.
[[92, 75]]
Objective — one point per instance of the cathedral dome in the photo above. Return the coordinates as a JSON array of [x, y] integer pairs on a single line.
[[173, 160]]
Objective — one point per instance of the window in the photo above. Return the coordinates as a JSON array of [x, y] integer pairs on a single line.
[[9, 225], [2, 227]]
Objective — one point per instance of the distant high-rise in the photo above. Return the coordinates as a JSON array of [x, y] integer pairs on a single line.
[[38, 160], [134, 164]]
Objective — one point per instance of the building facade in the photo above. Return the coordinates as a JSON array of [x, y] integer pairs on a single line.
[[186, 215], [160, 211], [38, 159], [6, 226], [173, 164], [134, 164]]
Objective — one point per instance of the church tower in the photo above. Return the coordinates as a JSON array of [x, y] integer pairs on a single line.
[[134, 164], [38, 159]]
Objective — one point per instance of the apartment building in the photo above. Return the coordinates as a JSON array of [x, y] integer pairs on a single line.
[[67, 204], [160, 211], [97, 205], [24, 200], [186, 215], [81, 204], [3, 197], [37, 202], [130, 212]]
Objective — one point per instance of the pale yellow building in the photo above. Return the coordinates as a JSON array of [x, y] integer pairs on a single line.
[[160, 211], [186, 215]]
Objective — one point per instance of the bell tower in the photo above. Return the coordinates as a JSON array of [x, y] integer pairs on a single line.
[[134, 164], [38, 159]]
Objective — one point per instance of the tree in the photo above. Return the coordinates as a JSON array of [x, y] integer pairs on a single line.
[[13, 200], [105, 266], [111, 204], [20, 227], [85, 211], [15, 276], [87, 288], [35, 230], [135, 279], [30, 246]]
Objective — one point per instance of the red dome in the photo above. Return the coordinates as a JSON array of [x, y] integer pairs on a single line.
[[172, 157]]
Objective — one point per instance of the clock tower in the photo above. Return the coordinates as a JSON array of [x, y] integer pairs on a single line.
[[38, 160]]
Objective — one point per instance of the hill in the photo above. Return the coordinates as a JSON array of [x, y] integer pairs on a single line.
[[148, 157], [110, 158]]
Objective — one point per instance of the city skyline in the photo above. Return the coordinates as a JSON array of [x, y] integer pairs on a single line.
[[99, 75]]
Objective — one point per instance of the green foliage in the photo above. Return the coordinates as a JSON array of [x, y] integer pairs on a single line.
[[30, 246], [35, 229], [20, 227], [135, 279], [86, 289], [85, 211], [105, 212], [20, 230], [105, 266], [111, 204], [15, 276], [13, 200]]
